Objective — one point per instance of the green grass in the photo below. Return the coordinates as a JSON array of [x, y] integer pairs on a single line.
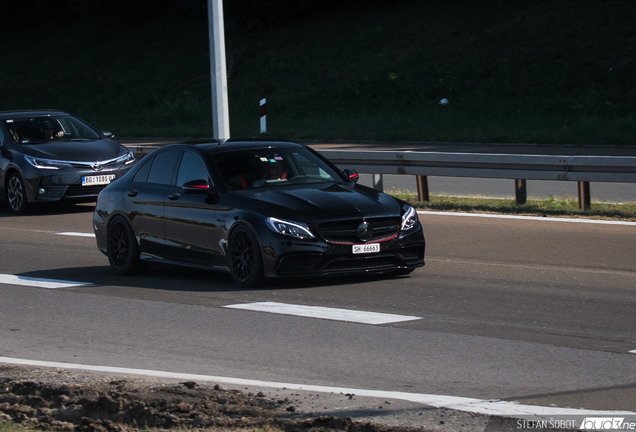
[[551, 207], [513, 71], [10, 427]]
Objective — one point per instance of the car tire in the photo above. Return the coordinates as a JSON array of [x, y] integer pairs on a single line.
[[15, 196], [246, 263], [122, 248]]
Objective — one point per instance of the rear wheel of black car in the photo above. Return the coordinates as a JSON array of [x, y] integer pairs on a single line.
[[122, 248], [15, 194], [246, 264]]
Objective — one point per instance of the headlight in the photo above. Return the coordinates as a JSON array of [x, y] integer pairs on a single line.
[[409, 219], [46, 163], [126, 159], [297, 230]]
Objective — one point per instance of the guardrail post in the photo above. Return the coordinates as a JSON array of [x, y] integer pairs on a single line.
[[521, 191], [585, 200], [422, 188], [377, 182]]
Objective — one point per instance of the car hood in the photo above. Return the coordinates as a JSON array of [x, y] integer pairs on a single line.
[[323, 202], [76, 151]]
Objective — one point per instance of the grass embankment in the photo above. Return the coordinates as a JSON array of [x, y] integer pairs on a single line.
[[551, 207], [514, 71]]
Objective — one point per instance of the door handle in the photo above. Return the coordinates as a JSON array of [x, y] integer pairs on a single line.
[[174, 196], [132, 193]]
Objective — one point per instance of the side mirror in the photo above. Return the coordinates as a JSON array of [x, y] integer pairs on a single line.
[[197, 187], [108, 135], [352, 175]]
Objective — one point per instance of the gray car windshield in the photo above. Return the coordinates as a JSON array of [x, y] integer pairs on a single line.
[[38, 130], [271, 167]]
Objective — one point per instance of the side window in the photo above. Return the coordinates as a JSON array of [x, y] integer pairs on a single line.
[[192, 168], [13, 131], [142, 174], [162, 168]]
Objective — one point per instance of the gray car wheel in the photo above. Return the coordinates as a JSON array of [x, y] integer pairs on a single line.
[[15, 194]]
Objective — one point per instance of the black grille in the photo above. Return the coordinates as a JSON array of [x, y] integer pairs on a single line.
[[83, 191], [362, 264], [297, 264], [55, 190], [412, 254], [344, 231], [107, 164]]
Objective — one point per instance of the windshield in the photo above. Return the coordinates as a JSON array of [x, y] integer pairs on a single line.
[[271, 167], [37, 130]]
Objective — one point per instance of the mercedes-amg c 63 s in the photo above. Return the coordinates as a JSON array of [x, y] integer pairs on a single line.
[[255, 209]]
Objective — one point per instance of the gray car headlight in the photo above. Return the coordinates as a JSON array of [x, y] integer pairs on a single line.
[[128, 158], [46, 163], [290, 228], [409, 219]]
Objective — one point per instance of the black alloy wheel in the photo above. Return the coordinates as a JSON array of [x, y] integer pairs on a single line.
[[122, 248], [16, 195], [246, 264]]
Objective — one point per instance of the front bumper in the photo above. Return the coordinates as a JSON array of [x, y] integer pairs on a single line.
[[66, 185], [303, 259]]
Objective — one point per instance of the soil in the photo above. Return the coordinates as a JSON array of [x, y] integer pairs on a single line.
[[62, 400]]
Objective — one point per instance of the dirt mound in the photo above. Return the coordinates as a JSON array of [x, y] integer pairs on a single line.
[[123, 405]]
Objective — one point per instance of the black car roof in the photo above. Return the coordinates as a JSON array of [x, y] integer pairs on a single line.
[[29, 113]]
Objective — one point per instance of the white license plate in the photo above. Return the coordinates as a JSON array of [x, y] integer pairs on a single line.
[[366, 248], [97, 180]]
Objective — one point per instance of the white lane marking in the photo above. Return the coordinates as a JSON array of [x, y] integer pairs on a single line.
[[479, 406], [632, 352], [76, 234], [533, 218], [324, 313], [50, 232], [39, 282]]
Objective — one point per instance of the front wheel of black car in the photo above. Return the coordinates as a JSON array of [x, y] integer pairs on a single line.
[[246, 264], [15, 194], [122, 248]]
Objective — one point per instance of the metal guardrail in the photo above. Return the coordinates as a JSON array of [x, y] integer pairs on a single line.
[[520, 167], [582, 169], [619, 169]]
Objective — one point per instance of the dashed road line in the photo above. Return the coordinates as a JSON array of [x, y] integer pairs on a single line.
[[39, 282], [319, 312], [76, 234]]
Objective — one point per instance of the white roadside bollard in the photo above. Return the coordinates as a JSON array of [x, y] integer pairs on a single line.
[[263, 117]]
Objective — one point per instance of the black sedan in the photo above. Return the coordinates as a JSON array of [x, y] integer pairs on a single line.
[[52, 156], [255, 209]]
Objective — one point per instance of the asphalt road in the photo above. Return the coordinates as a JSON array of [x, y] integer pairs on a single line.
[[539, 312]]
